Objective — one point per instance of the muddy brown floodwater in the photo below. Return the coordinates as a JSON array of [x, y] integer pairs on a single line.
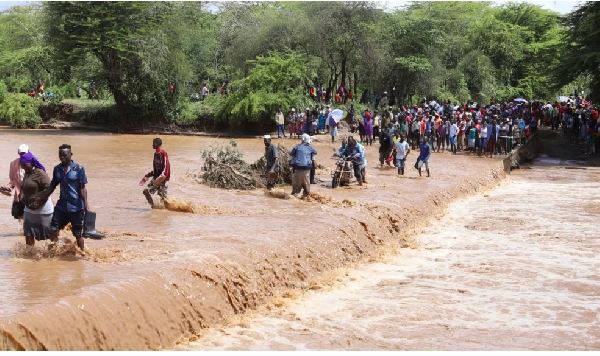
[[162, 275], [516, 268]]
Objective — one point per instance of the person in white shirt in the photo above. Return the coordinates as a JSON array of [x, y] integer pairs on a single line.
[[402, 151], [483, 138], [204, 92], [280, 120], [453, 136]]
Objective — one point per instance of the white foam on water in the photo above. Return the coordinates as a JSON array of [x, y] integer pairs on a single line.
[[512, 269]]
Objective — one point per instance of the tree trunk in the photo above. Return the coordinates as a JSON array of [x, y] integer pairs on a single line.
[[343, 68], [113, 66], [355, 84]]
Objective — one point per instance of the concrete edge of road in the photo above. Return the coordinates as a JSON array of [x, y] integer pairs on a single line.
[[526, 152]]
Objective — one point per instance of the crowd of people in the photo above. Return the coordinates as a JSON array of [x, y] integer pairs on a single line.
[[490, 130]]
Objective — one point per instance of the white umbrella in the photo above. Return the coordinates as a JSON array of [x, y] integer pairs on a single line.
[[563, 98], [337, 115]]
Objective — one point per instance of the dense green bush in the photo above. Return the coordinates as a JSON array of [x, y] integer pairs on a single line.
[[3, 92], [275, 81], [65, 91], [20, 111]]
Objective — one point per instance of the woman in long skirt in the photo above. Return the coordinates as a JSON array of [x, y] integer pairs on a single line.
[[38, 213], [322, 120]]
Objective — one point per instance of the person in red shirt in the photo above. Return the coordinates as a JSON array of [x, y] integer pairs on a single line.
[[160, 174]]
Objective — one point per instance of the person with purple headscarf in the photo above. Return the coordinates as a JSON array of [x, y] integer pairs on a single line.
[[38, 210]]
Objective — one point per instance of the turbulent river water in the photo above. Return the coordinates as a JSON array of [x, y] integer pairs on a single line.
[[515, 268]]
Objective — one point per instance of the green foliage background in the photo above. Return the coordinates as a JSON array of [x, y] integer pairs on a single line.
[[269, 51]]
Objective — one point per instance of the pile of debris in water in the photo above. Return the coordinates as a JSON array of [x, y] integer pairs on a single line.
[[225, 168]]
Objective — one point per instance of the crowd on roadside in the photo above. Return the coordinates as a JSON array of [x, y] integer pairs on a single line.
[[490, 130]]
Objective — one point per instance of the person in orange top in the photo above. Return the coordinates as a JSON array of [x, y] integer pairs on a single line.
[[437, 122]]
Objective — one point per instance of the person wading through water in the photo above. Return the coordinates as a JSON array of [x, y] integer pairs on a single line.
[[272, 157], [72, 206], [16, 174], [161, 173], [38, 212], [302, 160]]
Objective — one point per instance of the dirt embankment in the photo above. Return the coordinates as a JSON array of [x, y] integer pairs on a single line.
[[105, 119], [167, 302]]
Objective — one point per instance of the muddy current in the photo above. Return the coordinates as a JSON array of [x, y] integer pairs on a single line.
[[515, 268], [163, 277]]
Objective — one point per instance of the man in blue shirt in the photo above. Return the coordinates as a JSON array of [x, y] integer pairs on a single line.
[[72, 203], [359, 161], [302, 160], [424, 153]]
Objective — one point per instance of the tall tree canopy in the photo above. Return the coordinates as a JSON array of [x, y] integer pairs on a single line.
[[581, 52], [456, 51]]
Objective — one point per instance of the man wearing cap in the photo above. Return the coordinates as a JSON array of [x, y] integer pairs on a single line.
[[302, 160], [16, 174], [272, 157]]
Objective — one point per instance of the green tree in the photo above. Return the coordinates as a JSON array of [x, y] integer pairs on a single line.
[[20, 111], [136, 44], [274, 81], [581, 53], [24, 54]]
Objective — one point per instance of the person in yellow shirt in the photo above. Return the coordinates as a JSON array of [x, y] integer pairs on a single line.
[[376, 122]]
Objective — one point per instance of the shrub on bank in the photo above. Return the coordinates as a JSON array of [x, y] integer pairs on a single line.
[[3, 91], [20, 111]]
